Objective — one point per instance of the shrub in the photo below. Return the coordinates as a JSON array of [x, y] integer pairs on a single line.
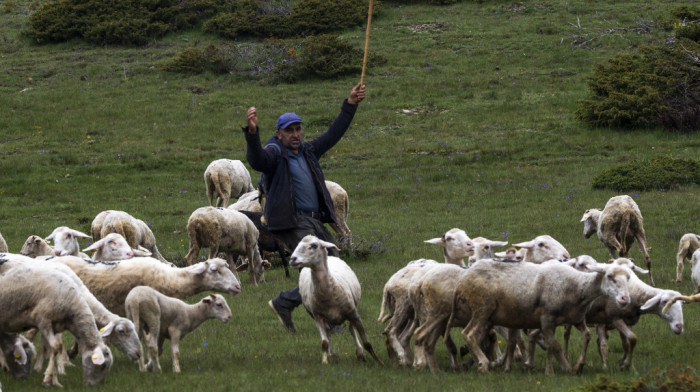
[[677, 380], [657, 86], [660, 173], [118, 22], [687, 23], [266, 18]]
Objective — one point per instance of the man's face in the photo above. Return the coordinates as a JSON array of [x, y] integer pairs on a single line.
[[291, 137]]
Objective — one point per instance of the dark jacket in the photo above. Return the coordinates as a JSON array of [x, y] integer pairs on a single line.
[[273, 162]]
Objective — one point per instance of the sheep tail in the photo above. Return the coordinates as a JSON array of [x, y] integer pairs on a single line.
[[386, 300], [624, 227]]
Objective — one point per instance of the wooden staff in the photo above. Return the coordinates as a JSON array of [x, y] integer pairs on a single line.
[[364, 60]]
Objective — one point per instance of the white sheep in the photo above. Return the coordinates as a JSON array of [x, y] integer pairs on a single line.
[[36, 246], [695, 270], [618, 225], [483, 249], [135, 231], [16, 354], [330, 292], [226, 179], [3, 244], [159, 317], [113, 247], [521, 295], [114, 330], [225, 230], [65, 241], [606, 314], [687, 245], [111, 282], [249, 201], [34, 297], [432, 296], [395, 301]]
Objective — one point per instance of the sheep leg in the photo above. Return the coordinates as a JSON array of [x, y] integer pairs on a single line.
[[680, 257], [193, 253], [473, 334], [397, 350], [532, 337], [602, 333], [426, 337], [629, 340], [510, 350], [586, 338], [553, 347], [643, 247], [151, 340], [405, 340], [356, 322], [452, 350], [48, 337], [325, 339], [567, 335], [175, 348]]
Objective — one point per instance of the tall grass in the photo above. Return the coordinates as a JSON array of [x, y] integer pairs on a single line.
[[469, 124]]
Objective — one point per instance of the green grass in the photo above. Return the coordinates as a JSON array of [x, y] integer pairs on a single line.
[[489, 144]]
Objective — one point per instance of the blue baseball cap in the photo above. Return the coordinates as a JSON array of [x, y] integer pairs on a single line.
[[287, 119]]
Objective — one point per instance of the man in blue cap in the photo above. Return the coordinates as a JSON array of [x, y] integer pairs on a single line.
[[297, 202]]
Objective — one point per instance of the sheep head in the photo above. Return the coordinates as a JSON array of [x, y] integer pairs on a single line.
[[311, 252]]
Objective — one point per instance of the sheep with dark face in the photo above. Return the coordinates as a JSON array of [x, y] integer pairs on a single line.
[[618, 225]]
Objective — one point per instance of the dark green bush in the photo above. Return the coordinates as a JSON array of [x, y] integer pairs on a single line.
[[657, 86], [301, 18], [672, 380], [118, 22], [660, 173], [687, 23]]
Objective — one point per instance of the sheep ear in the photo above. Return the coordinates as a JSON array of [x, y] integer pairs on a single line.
[[498, 243], [79, 234], [328, 245], [639, 270], [651, 302], [20, 354], [198, 268], [107, 329], [96, 245], [586, 215], [435, 241], [500, 254], [528, 245], [98, 357], [207, 300]]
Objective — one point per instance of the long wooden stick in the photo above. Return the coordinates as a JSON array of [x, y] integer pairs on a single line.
[[364, 60]]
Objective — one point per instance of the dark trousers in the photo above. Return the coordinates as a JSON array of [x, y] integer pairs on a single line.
[[306, 225]]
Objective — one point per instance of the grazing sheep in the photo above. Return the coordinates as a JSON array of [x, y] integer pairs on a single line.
[[3, 244], [226, 179], [688, 244], [65, 241], [114, 330], [521, 295], [135, 231], [266, 240], [113, 247], [606, 314], [16, 354], [330, 292], [111, 282], [225, 230], [341, 207], [159, 317], [36, 246], [617, 226], [34, 297]]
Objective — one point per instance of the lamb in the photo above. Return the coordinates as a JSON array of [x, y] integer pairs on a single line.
[[617, 226], [65, 241], [433, 294], [31, 296], [111, 282], [3, 244], [330, 292], [226, 179], [606, 314], [225, 230], [521, 295], [36, 246], [456, 247], [16, 354], [483, 249], [688, 244], [113, 247], [160, 317], [135, 231]]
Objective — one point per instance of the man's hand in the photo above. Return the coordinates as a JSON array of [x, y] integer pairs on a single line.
[[357, 94], [252, 118]]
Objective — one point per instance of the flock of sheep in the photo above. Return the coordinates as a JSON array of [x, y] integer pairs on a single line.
[[126, 292]]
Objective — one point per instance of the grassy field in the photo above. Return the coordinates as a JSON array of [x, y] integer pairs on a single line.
[[469, 124]]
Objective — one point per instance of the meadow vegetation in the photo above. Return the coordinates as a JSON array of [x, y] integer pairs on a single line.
[[470, 121]]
